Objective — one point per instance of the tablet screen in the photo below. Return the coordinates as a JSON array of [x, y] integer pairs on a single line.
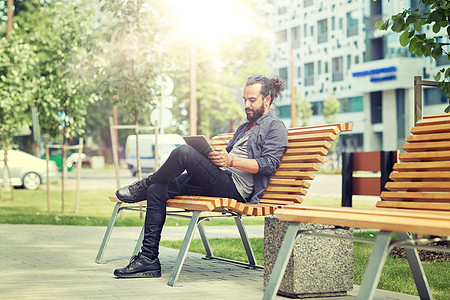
[[199, 143]]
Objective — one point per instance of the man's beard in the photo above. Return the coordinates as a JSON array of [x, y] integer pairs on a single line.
[[256, 113]]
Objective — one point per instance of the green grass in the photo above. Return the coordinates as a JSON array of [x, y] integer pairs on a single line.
[[30, 207], [396, 275]]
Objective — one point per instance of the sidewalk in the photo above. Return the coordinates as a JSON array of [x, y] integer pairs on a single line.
[[57, 262]]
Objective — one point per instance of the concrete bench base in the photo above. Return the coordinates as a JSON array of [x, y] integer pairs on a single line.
[[318, 267]]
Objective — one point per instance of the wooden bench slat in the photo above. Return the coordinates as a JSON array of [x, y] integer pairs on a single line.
[[425, 156], [281, 182], [276, 201], [191, 204], [289, 197], [315, 158], [427, 146], [421, 223], [428, 137], [414, 205], [293, 175], [299, 166], [436, 120], [309, 144], [417, 196], [418, 176], [286, 189], [425, 166], [441, 128], [317, 150], [418, 186], [314, 130], [312, 137]]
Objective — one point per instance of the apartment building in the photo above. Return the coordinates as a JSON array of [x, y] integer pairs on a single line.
[[334, 49]]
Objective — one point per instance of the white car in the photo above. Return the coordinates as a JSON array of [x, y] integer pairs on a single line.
[[27, 170]]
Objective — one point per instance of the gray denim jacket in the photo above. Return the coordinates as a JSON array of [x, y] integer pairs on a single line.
[[267, 142]]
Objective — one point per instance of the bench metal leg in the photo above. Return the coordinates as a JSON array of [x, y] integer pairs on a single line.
[[245, 241], [184, 248], [281, 262], [107, 235], [205, 241], [138, 243], [375, 265], [416, 269]]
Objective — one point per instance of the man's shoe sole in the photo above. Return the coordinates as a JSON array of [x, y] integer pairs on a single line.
[[146, 274]]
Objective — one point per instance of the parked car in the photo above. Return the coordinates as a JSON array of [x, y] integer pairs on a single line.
[[27, 170], [56, 155], [73, 158]]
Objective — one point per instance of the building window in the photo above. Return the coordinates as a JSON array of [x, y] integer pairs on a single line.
[[283, 73], [376, 107], [353, 104], [282, 10], [309, 74], [349, 61], [352, 23], [434, 96], [333, 23], [317, 108], [337, 69], [319, 67], [281, 36], [299, 72], [356, 59], [311, 29], [341, 23], [305, 30], [325, 67], [322, 27], [307, 3], [295, 37]]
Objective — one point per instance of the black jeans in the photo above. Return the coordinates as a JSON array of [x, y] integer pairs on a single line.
[[202, 178]]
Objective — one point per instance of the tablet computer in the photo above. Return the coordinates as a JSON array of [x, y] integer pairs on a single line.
[[199, 143]]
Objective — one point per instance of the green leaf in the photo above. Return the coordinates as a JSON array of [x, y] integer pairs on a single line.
[[437, 52], [404, 38], [436, 28], [379, 24], [399, 25], [437, 77]]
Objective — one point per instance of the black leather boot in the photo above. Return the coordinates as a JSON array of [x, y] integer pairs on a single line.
[[140, 267], [134, 192]]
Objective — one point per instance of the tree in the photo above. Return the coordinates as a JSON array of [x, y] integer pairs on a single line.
[[303, 109], [16, 91], [61, 37], [331, 107], [133, 58], [411, 22]]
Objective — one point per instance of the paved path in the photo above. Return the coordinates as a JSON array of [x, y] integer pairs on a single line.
[[57, 262]]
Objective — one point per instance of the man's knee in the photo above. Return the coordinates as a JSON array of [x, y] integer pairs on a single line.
[[184, 151]]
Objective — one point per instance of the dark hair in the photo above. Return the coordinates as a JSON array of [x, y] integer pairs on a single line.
[[269, 86]]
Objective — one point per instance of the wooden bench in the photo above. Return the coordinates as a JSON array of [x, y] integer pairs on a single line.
[[307, 148], [417, 202]]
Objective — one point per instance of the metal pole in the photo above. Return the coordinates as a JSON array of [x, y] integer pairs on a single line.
[[293, 108], [192, 94], [114, 150], [47, 159], [77, 195], [417, 99]]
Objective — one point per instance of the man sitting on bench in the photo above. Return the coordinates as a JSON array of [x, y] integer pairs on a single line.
[[241, 171]]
